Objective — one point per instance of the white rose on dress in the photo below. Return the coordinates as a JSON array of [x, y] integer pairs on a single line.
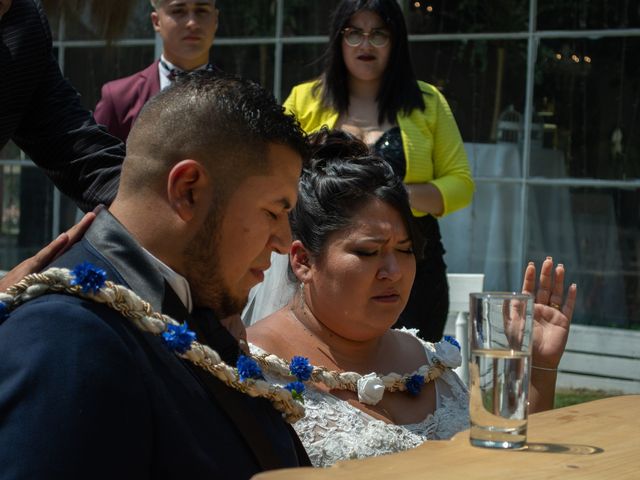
[[448, 354], [370, 389]]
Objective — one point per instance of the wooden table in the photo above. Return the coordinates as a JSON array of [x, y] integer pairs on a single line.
[[594, 440]]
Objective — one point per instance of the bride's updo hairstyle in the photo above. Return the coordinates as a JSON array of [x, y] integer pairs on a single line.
[[342, 176]]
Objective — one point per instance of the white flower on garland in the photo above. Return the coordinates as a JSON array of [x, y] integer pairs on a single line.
[[370, 389], [448, 354]]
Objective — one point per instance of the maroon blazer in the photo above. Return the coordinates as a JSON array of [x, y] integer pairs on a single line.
[[122, 100]]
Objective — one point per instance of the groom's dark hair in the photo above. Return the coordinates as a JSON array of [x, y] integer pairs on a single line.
[[222, 121]]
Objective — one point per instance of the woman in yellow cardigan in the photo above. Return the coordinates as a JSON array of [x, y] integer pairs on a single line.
[[368, 88]]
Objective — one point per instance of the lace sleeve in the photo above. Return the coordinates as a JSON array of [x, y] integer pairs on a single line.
[[334, 430], [452, 408]]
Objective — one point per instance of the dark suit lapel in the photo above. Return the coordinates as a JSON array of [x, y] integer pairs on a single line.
[[240, 409], [133, 268], [127, 258]]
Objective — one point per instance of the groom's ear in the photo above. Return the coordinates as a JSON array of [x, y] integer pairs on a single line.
[[189, 190], [300, 261]]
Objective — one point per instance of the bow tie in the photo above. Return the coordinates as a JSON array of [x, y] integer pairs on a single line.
[[176, 73]]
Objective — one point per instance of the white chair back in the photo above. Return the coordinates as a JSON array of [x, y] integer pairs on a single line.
[[460, 286]]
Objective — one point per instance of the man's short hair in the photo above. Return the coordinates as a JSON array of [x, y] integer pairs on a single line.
[[156, 4], [223, 121]]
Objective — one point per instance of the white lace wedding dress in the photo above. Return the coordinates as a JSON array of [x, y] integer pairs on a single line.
[[334, 430]]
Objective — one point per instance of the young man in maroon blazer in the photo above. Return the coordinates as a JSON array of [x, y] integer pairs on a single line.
[[187, 28]]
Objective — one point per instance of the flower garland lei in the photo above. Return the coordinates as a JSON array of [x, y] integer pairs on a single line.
[[89, 282], [370, 387]]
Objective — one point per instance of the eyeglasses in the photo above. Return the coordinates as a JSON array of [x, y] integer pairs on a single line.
[[354, 37]]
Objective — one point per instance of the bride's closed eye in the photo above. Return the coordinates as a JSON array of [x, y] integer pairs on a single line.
[[365, 253]]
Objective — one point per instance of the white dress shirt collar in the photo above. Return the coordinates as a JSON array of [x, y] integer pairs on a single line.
[[164, 69], [176, 281]]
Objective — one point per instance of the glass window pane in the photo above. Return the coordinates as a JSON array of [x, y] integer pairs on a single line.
[[54, 23], [301, 63], [484, 237], [466, 16], [88, 68], [483, 81], [250, 61], [587, 96], [25, 213], [246, 18], [10, 152], [596, 234], [304, 18], [582, 15], [139, 25], [79, 24]]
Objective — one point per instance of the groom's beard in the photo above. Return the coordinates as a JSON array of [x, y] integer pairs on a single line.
[[202, 260]]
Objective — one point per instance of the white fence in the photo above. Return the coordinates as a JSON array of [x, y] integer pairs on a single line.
[[601, 358], [596, 358]]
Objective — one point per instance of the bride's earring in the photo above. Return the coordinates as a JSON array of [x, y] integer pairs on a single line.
[[301, 303]]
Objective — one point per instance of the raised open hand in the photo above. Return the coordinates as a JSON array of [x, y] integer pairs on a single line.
[[552, 313]]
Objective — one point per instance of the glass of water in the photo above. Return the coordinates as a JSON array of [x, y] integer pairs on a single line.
[[500, 331]]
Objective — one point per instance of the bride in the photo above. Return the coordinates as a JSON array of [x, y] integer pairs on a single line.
[[352, 257]]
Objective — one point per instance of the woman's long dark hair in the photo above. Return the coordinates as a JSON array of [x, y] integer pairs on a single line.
[[343, 176], [399, 91]]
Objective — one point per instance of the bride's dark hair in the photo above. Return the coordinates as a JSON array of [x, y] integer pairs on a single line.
[[342, 176]]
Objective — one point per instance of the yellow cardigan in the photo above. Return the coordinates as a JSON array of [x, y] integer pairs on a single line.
[[431, 140]]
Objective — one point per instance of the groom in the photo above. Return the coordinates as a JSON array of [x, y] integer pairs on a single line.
[[211, 172]]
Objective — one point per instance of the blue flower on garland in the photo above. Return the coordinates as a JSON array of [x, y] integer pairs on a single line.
[[178, 337], [4, 311], [296, 389], [89, 277], [248, 368], [414, 384], [452, 341], [301, 368]]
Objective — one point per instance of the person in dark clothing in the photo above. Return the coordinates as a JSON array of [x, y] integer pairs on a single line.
[[41, 112], [199, 211]]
